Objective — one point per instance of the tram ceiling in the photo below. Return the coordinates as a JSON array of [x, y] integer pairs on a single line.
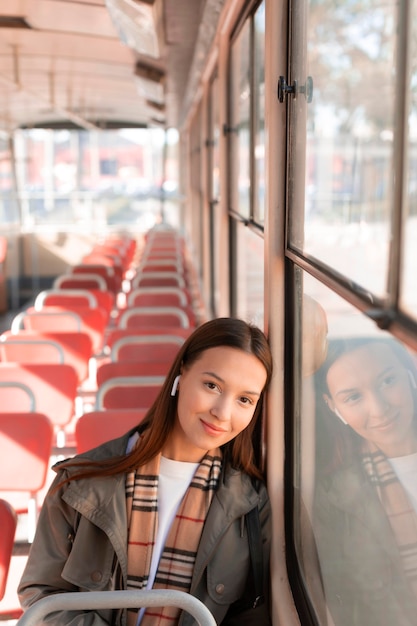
[[100, 63]]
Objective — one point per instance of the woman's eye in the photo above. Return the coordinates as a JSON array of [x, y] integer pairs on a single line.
[[388, 381], [211, 385], [353, 397], [245, 400]]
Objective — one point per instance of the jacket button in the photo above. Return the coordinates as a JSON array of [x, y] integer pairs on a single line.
[[220, 589], [96, 576]]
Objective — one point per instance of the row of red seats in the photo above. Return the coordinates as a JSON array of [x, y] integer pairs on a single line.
[[44, 362], [47, 367]]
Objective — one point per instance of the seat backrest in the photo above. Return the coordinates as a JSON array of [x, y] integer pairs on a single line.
[[53, 387], [96, 427], [30, 347], [117, 333], [48, 319], [8, 523], [55, 347], [154, 316], [146, 348], [162, 279], [128, 392], [16, 396], [158, 265], [26, 444], [131, 368], [88, 280], [111, 274], [107, 262], [73, 298], [65, 298], [158, 296], [59, 319], [26, 441]]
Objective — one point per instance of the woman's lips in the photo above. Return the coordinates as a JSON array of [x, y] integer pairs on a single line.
[[211, 429]]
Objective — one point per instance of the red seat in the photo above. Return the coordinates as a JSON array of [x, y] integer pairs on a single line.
[[154, 316], [50, 347], [17, 396], [117, 333], [73, 298], [94, 428], [8, 523], [112, 275], [158, 279], [131, 368], [128, 392], [59, 319], [26, 444], [146, 348], [160, 265], [159, 296], [54, 387], [80, 281]]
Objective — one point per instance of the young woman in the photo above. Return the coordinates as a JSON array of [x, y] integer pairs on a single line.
[[165, 505], [366, 498]]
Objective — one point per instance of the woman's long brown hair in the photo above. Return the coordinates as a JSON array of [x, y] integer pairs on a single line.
[[160, 419]]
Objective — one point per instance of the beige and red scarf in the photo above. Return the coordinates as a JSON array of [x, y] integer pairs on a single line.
[[399, 510], [178, 556]]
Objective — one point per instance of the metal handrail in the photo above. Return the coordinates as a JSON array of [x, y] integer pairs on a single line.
[[90, 600]]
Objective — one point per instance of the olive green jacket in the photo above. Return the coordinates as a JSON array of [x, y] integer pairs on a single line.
[[81, 545]]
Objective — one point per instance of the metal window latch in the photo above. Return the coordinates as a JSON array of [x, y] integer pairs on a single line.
[[284, 89]]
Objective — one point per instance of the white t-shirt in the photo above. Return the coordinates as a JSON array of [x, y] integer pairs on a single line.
[[174, 479], [406, 469]]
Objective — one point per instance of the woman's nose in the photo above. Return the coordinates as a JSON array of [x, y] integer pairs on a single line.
[[378, 405], [221, 409]]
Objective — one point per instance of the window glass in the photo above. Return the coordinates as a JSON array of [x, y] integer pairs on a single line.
[[214, 193], [8, 206], [259, 115], [355, 451], [408, 300], [240, 122], [343, 67], [80, 178], [214, 135], [249, 282], [196, 198]]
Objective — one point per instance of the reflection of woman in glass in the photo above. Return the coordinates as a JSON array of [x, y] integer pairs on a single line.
[[366, 496]]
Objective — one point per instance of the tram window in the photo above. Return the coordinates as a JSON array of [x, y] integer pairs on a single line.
[[259, 115], [9, 210], [408, 287], [77, 177], [354, 464], [348, 58], [214, 191], [247, 118], [248, 283], [240, 122], [214, 138]]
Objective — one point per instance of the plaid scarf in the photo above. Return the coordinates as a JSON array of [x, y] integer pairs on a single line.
[[399, 510], [176, 564]]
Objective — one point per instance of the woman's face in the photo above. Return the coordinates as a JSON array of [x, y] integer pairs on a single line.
[[371, 390], [217, 397]]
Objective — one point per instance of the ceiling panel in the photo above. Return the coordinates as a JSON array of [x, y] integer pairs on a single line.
[[75, 61]]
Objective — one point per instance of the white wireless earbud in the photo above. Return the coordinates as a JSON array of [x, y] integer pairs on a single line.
[[339, 415], [175, 385]]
